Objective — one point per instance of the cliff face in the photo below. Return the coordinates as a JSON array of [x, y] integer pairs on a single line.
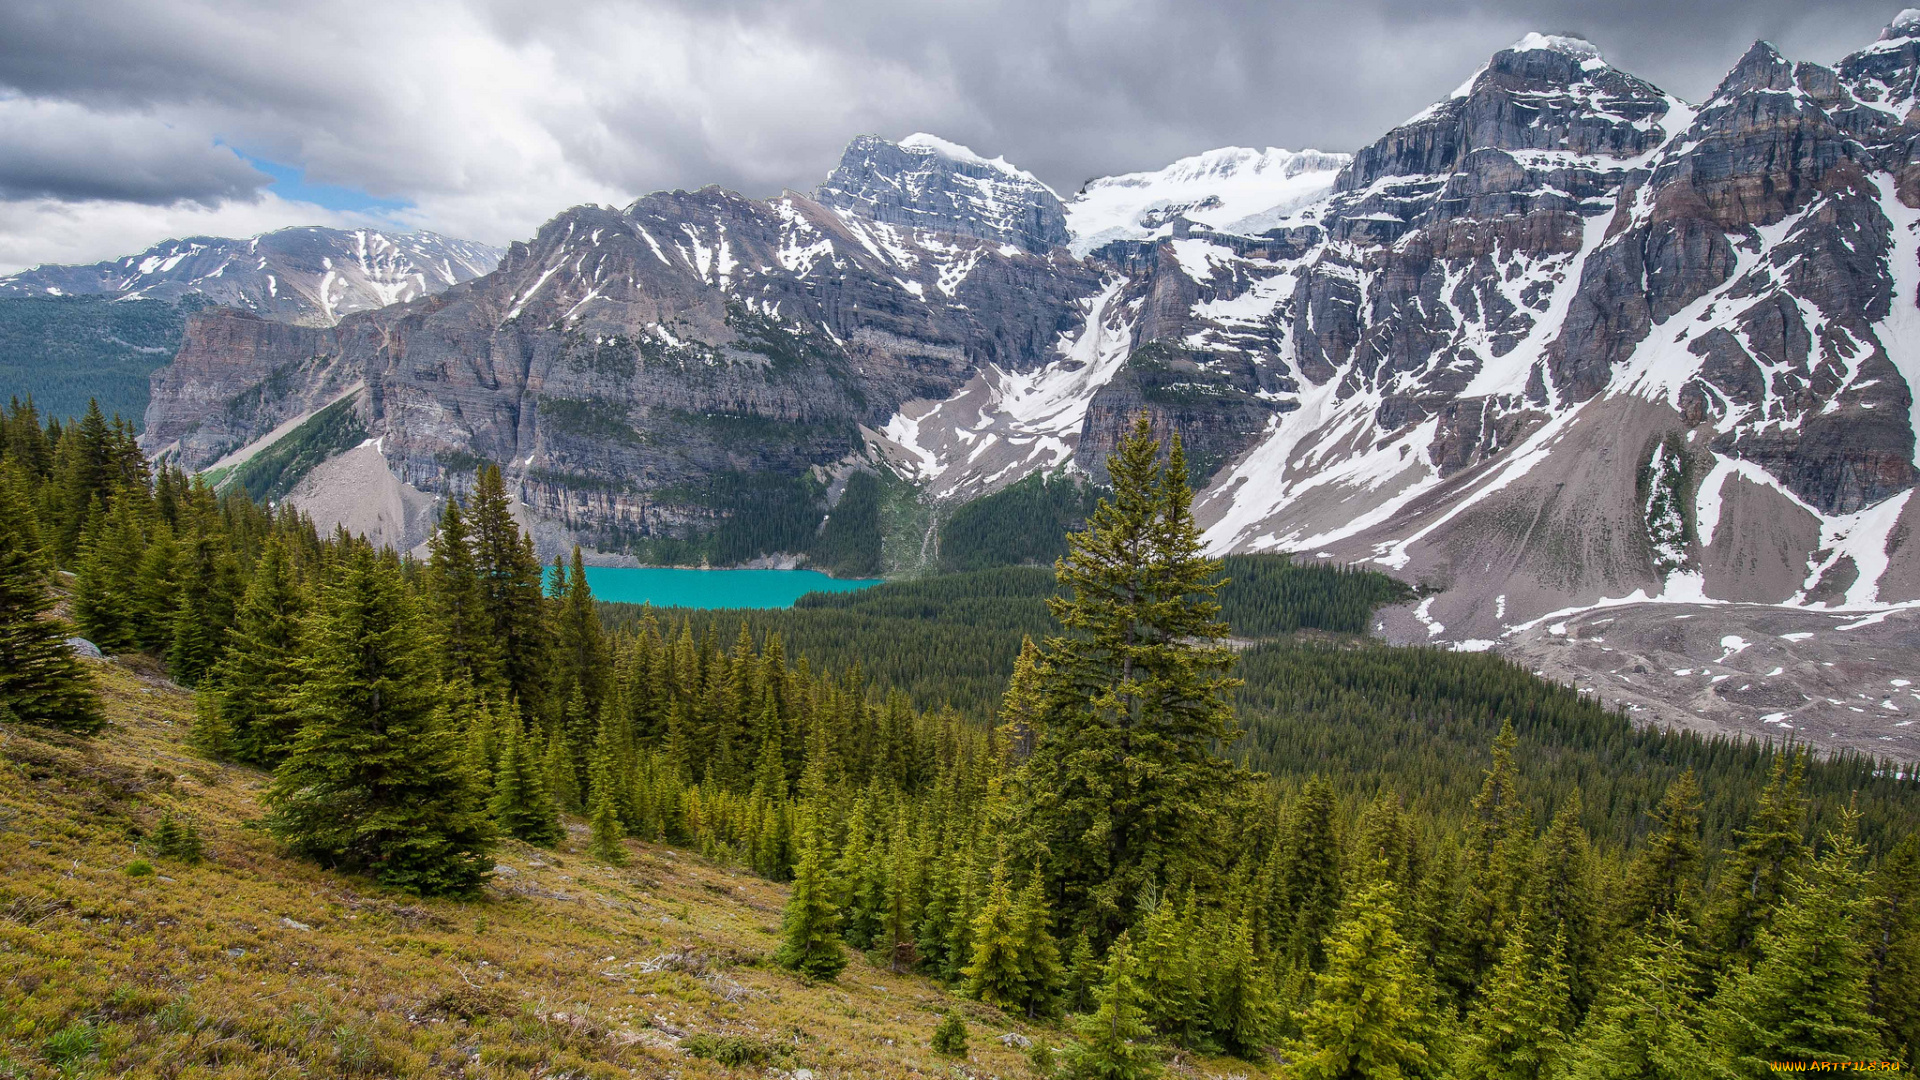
[[1557, 339]]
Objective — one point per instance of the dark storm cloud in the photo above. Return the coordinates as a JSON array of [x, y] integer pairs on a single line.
[[63, 151], [490, 115]]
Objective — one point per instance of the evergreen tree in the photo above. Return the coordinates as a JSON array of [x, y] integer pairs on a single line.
[[1023, 705], [604, 815], [1245, 1014], [204, 602], [997, 973], [1494, 855], [520, 803], [950, 1036], [1665, 877], [1807, 998], [581, 656], [1113, 1038], [457, 597], [1124, 782], [1083, 974], [41, 682], [106, 589], [1370, 1012], [374, 781], [1564, 898], [1646, 1027], [1753, 879], [1896, 938], [177, 838], [557, 772], [243, 710], [510, 583], [1041, 965], [1517, 1029], [1304, 888], [1175, 994], [810, 943]]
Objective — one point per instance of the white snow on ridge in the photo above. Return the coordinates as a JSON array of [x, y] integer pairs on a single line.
[[953, 151], [1004, 425], [1220, 189]]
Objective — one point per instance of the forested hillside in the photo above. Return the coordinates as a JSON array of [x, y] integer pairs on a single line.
[[64, 350], [1418, 865]]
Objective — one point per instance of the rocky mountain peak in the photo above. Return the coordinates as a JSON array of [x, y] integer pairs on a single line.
[[1234, 189], [1904, 25], [1761, 68], [926, 182]]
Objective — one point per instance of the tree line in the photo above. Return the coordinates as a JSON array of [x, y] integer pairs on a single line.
[[1101, 850]]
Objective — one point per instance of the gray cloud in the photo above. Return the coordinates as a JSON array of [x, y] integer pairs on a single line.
[[491, 115], [62, 150]]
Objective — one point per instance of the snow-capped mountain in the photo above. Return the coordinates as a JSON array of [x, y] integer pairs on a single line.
[[1559, 342], [926, 183], [313, 276], [1233, 189]]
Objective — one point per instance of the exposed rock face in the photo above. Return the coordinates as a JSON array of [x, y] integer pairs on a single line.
[[311, 276]]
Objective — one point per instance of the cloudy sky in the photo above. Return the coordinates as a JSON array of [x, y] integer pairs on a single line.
[[123, 123]]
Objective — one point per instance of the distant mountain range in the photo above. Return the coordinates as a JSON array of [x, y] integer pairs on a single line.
[[1560, 340], [311, 276]]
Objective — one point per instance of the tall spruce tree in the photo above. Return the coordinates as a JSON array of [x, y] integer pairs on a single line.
[[41, 682], [809, 934], [1517, 1028], [1807, 999], [1371, 1011], [510, 583], [997, 971], [1665, 876], [521, 805], [1646, 1025], [603, 812], [1753, 879], [374, 782], [1896, 950], [1564, 898], [1126, 779], [1114, 1039], [243, 708], [1245, 1015], [457, 597]]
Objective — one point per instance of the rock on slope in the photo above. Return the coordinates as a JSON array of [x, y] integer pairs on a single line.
[[311, 276]]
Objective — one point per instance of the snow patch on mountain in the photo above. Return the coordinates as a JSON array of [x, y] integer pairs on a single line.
[[1229, 189]]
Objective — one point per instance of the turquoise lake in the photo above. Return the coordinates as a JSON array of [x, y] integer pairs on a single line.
[[670, 587]]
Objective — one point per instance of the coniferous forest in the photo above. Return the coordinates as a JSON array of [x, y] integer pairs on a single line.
[[1165, 815]]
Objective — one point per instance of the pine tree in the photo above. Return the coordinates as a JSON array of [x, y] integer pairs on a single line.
[[510, 582], [457, 597], [1023, 704], [1896, 975], [1304, 886], [1646, 1026], [810, 943], [1807, 999], [1665, 877], [177, 838], [203, 605], [1113, 1038], [1753, 879], [1175, 996], [374, 781], [557, 772], [604, 815], [1564, 898], [1370, 1014], [1124, 782], [1083, 974], [1517, 1029], [106, 590], [1041, 953], [950, 1036], [1494, 856], [997, 971], [41, 682], [521, 805], [1245, 1016], [243, 708], [581, 653]]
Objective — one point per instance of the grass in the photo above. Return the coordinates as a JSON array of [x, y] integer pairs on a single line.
[[255, 964]]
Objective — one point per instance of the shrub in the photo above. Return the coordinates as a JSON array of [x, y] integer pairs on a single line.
[[733, 1051], [139, 868], [951, 1036]]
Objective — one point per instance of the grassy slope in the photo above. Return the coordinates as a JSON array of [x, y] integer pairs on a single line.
[[198, 971]]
